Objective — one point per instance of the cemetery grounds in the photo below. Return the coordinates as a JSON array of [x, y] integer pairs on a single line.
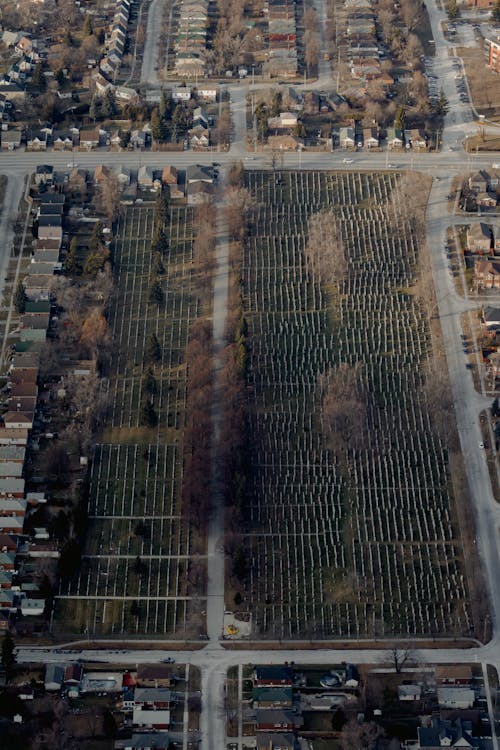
[[364, 543], [133, 575]]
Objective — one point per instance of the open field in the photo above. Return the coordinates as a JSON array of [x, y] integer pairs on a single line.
[[483, 82], [134, 572], [360, 539]]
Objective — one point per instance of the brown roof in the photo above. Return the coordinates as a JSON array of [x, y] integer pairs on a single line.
[[487, 267], [17, 416], [24, 389], [154, 672], [47, 244], [453, 672], [169, 175]]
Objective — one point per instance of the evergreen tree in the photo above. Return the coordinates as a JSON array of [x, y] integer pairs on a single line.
[[93, 109], [87, 26], [70, 262], [164, 106], [400, 119], [495, 13], [59, 76], [38, 78], [97, 237], [149, 416], [150, 385], [152, 350], [108, 105], [453, 10], [160, 242], [20, 298], [158, 266], [158, 130], [156, 294], [8, 657]]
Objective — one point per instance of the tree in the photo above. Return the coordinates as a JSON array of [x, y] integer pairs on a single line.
[[325, 253], [38, 80], [110, 193], [156, 293], [108, 720], [94, 109], [356, 736], [71, 265], [152, 350], [453, 10], [149, 417], [158, 129], [8, 652], [108, 105], [139, 567], [150, 384], [95, 262], [158, 266], [441, 107], [402, 657], [495, 13], [97, 237], [20, 298], [400, 119], [343, 405], [87, 26]]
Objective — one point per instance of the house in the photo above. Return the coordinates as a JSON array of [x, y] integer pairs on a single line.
[[102, 84], [272, 697], [455, 697], [181, 94], [207, 93], [409, 693], [479, 181], [17, 421], [479, 238], [145, 741], [151, 719], [48, 197], [73, 674], [23, 45], [347, 138], [276, 720], [272, 676], [123, 176], [155, 675], [169, 176], [284, 143], [12, 487], [64, 140], [418, 140], [89, 139], [266, 741], [13, 437], [370, 139], [11, 139], [199, 173], [44, 174], [152, 698], [37, 140], [102, 682], [491, 320], [394, 138], [139, 138], [47, 230], [125, 94], [11, 525], [7, 559], [198, 137], [486, 200], [54, 677], [145, 177], [198, 193], [461, 674], [444, 733], [284, 120], [200, 117], [8, 543], [12, 469]]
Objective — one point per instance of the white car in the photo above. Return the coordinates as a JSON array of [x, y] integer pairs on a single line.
[[347, 161], [70, 165], [481, 445]]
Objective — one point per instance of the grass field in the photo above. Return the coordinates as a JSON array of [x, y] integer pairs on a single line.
[[361, 541], [134, 572]]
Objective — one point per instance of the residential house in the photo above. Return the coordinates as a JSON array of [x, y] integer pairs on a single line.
[[409, 693], [8, 543], [152, 698], [54, 677], [23, 46], [370, 139], [181, 94], [479, 181], [102, 84], [11, 469], [199, 173], [7, 559], [44, 174], [64, 140], [494, 364], [284, 120], [49, 228], [394, 138], [266, 741], [169, 176], [272, 676], [90, 139], [38, 140], [139, 138], [479, 238], [444, 733], [17, 421], [12, 436], [272, 697], [145, 741], [11, 139], [207, 93], [347, 138], [486, 200], [12, 486], [50, 197], [125, 94], [155, 675], [200, 117], [418, 140], [123, 176], [284, 143], [491, 320], [73, 674], [461, 674], [151, 719], [455, 697], [199, 137], [145, 177], [276, 720]]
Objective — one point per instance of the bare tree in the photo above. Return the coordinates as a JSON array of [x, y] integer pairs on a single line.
[[356, 736], [109, 195], [343, 405], [325, 252], [402, 657]]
